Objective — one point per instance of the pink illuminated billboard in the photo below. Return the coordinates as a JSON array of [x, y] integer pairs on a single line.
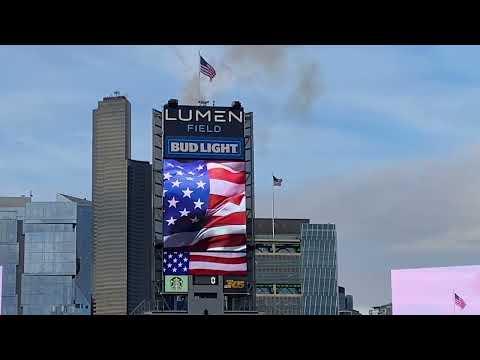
[[436, 291], [1, 287]]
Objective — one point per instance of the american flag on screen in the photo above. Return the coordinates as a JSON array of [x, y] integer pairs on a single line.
[[460, 302], [207, 69], [204, 263], [204, 205]]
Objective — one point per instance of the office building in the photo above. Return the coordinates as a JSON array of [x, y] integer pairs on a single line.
[[12, 214], [110, 154], [122, 212], [57, 250], [381, 310], [278, 266], [139, 233], [319, 265], [349, 312], [349, 302], [341, 298]]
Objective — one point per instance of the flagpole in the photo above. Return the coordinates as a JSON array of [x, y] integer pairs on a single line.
[[454, 302], [199, 97], [273, 210]]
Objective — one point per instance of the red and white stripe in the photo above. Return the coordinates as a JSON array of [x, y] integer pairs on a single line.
[[209, 263], [227, 228]]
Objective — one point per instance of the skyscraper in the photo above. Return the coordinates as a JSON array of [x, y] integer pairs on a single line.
[[319, 262], [110, 154], [341, 298], [122, 213], [349, 302], [139, 233]]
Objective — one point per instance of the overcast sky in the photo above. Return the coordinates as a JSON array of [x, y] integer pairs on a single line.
[[383, 141]]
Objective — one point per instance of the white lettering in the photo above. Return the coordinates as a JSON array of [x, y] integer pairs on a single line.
[[199, 115], [219, 116], [216, 148], [239, 118], [167, 115], [174, 147], [184, 118]]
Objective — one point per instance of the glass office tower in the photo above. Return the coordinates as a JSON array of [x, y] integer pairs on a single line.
[[319, 263]]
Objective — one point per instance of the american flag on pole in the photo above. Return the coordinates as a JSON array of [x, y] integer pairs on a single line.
[[460, 302], [177, 262], [204, 205], [207, 69], [277, 181]]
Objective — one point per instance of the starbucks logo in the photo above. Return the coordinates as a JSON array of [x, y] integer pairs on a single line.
[[176, 283]]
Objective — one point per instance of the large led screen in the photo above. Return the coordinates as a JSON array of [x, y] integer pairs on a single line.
[[436, 291]]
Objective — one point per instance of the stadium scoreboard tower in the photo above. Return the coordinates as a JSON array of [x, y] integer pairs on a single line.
[[203, 209]]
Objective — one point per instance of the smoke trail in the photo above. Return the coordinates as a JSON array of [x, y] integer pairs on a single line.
[[256, 63], [307, 90]]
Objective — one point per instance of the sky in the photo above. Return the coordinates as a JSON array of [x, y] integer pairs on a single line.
[[383, 141]]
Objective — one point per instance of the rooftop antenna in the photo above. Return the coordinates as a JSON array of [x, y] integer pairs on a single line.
[[213, 102], [31, 194], [116, 93], [203, 102]]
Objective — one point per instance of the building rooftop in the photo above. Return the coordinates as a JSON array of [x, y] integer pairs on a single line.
[[75, 199], [14, 201]]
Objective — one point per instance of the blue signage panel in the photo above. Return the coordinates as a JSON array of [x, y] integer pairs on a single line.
[[204, 148]]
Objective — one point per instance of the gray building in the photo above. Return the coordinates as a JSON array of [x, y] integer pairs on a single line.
[[349, 302], [296, 272], [12, 214], [278, 266], [381, 310], [319, 266], [57, 251], [122, 213], [110, 154]]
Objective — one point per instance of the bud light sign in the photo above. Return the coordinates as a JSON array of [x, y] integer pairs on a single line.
[[203, 132]]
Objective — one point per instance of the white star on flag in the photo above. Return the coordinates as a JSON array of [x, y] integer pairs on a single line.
[[198, 204], [200, 167], [173, 202], [167, 176], [201, 184], [187, 193], [184, 212], [171, 221], [194, 220], [176, 183]]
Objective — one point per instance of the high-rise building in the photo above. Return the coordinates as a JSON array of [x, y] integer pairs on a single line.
[[341, 298], [122, 212], [12, 214], [56, 275], [110, 154], [349, 302], [319, 265], [139, 233]]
